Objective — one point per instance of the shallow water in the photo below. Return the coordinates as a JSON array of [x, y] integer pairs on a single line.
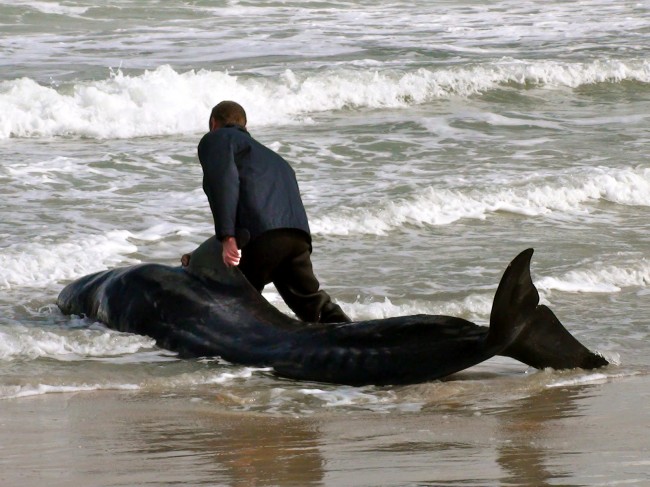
[[432, 142]]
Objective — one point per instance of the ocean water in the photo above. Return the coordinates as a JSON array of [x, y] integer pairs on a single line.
[[432, 140]]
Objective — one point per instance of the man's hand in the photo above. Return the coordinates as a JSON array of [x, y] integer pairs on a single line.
[[231, 254]]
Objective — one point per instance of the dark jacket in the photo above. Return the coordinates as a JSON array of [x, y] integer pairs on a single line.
[[250, 188]]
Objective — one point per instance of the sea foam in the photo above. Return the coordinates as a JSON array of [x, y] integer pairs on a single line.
[[53, 8], [30, 343], [37, 264], [600, 278], [125, 105], [575, 194], [28, 390]]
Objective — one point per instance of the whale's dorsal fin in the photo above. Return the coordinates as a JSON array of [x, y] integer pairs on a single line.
[[206, 262]]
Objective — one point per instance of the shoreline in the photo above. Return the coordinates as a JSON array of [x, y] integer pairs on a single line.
[[579, 435]]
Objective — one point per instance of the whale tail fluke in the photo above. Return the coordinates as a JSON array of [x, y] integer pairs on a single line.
[[531, 333], [545, 342]]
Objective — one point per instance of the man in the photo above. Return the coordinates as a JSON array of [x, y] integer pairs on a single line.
[[253, 193]]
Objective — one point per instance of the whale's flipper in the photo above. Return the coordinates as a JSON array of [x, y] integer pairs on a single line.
[[531, 332]]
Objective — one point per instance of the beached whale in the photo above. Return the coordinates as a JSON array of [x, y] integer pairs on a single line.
[[208, 309]]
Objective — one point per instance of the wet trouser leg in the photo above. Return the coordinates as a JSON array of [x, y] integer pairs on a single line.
[[283, 257]]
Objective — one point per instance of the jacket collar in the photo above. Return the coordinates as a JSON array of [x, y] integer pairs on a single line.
[[238, 127]]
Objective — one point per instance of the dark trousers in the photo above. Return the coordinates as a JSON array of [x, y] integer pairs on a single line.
[[283, 257]]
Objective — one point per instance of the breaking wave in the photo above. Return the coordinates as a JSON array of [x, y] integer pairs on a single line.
[[125, 106]]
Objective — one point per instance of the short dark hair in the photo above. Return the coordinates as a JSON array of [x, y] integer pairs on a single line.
[[229, 113]]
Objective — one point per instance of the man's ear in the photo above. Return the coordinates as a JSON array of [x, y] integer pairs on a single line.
[[215, 124]]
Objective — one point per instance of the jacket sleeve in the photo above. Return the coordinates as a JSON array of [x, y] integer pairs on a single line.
[[220, 181]]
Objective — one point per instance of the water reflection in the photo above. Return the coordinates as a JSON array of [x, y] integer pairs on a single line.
[[148, 439], [527, 427], [522, 437], [238, 450]]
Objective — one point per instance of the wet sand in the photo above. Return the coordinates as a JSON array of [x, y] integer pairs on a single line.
[[595, 434]]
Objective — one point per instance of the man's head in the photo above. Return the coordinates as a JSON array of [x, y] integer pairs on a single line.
[[227, 113]]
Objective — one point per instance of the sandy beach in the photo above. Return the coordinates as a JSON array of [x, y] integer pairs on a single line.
[[573, 436]]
